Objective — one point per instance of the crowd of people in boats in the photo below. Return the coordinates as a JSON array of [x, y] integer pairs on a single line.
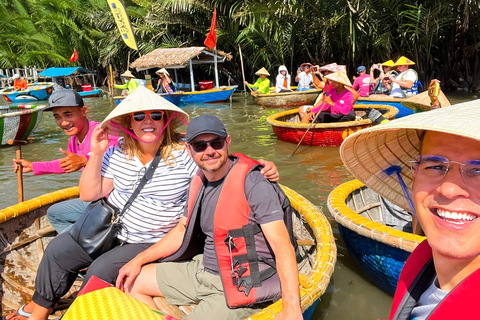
[[388, 79]]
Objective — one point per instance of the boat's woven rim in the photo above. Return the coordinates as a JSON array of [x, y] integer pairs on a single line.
[[282, 94], [315, 284], [22, 112], [272, 120], [350, 219], [381, 99], [35, 203]]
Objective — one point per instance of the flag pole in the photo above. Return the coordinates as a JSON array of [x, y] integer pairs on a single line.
[[216, 69]]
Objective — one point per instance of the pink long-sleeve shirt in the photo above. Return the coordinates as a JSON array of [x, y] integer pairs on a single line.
[[343, 102], [81, 149]]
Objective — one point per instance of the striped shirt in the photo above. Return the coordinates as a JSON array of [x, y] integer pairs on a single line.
[[160, 203]]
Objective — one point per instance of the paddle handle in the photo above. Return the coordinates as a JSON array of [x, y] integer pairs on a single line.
[[111, 81], [243, 71], [18, 156]]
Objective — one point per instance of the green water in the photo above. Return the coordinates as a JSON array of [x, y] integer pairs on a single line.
[[313, 172]]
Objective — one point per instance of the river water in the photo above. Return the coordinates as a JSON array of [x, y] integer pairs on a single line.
[[312, 171]]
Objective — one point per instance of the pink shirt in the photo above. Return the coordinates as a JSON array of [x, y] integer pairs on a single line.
[[343, 102], [82, 149], [363, 86]]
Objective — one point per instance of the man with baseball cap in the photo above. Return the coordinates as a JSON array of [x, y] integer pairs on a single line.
[[362, 82], [429, 164], [233, 217], [71, 116]]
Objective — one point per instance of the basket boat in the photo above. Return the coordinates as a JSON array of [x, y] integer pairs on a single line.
[[287, 126], [287, 99], [18, 122], [379, 250], [25, 232], [390, 101], [34, 92]]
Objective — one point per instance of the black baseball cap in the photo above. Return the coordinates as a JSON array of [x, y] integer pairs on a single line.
[[64, 98], [205, 124]]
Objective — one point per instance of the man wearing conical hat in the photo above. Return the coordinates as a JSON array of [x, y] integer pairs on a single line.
[[405, 83], [429, 163], [262, 85], [130, 82]]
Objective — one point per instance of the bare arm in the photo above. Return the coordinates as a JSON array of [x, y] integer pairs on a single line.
[[278, 238], [92, 185], [166, 246], [404, 84]]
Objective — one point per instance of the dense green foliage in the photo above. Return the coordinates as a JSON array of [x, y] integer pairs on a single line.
[[441, 36]]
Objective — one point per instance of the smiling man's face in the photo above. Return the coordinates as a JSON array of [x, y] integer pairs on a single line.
[[448, 208], [71, 120]]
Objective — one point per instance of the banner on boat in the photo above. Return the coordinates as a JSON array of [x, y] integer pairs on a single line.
[[123, 23]]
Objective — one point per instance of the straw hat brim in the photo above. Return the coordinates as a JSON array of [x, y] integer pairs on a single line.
[[422, 101], [339, 77], [143, 99], [127, 74], [368, 152], [262, 71]]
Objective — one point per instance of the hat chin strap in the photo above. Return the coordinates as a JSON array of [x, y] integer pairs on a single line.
[[133, 135]]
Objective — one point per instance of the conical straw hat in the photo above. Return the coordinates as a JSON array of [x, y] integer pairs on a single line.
[[368, 152], [262, 71], [340, 77], [127, 74], [388, 63], [403, 61], [143, 99], [422, 101], [329, 67], [163, 70]]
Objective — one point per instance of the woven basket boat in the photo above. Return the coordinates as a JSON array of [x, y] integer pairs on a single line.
[[390, 101], [35, 92], [287, 99], [287, 126], [25, 232], [380, 251], [18, 122]]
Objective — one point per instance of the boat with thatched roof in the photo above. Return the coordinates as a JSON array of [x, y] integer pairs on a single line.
[[180, 58], [379, 250], [25, 232], [287, 126], [287, 99]]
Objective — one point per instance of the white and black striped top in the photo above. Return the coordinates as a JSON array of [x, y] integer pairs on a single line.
[[160, 203]]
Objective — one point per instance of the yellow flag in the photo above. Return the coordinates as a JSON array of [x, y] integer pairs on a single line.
[[123, 23]]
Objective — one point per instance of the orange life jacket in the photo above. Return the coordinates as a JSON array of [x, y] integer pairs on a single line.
[[254, 278]]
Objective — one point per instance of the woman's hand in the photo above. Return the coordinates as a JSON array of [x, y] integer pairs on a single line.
[[269, 171], [99, 141]]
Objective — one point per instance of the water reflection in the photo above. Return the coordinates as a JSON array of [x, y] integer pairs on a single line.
[[312, 171]]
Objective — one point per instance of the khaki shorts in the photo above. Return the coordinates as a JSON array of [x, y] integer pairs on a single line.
[[184, 283]]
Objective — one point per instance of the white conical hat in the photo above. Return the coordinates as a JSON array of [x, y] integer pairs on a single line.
[[340, 77], [143, 99], [369, 152]]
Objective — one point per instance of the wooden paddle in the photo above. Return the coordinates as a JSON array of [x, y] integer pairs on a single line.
[[243, 71], [18, 145], [312, 123], [264, 107], [111, 81]]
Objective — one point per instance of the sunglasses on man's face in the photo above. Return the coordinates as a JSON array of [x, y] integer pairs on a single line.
[[141, 115], [201, 146]]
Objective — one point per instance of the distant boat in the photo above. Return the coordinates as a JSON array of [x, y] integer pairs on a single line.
[[179, 58], [390, 101], [36, 91], [18, 122], [59, 76]]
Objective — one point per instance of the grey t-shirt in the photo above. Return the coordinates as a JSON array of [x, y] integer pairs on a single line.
[[261, 197], [428, 301]]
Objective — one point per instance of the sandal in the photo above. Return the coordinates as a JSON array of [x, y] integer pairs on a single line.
[[22, 313]]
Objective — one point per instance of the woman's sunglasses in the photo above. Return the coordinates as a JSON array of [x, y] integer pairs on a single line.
[[201, 146], [155, 115]]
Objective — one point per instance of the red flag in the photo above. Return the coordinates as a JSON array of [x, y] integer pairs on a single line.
[[211, 40], [74, 56]]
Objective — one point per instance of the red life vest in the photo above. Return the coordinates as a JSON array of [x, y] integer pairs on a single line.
[[254, 278], [417, 275]]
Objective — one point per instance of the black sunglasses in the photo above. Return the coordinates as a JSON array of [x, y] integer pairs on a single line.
[[155, 115], [200, 146]]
